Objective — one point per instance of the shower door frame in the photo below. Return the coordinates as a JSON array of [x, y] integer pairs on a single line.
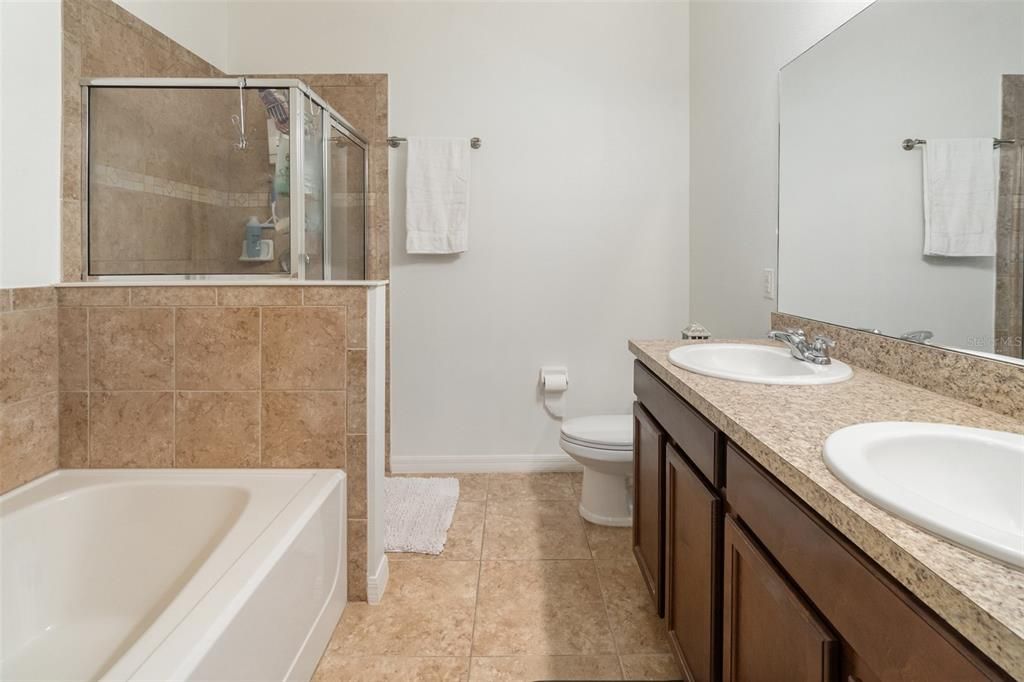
[[331, 124], [297, 91]]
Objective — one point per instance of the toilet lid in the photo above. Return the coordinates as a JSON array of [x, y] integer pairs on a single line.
[[606, 430]]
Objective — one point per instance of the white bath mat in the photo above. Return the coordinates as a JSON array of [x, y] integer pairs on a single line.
[[418, 513]]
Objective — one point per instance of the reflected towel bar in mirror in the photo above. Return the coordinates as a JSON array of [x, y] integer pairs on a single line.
[[910, 143], [394, 142]]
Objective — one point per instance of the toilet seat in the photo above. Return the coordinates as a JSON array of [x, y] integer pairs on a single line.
[[612, 432]]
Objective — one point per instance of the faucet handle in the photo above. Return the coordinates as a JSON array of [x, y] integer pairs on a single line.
[[822, 342]]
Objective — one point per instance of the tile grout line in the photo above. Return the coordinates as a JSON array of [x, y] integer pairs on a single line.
[[174, 384], [479, 575], [259, 365], [88, 389]]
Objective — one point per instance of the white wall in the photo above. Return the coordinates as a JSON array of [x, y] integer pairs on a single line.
[[848, 183], [30, 109], [199, 25], [736, 50], [579, 197]]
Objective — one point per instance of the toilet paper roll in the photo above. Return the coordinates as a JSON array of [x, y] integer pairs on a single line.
[[555, 383]]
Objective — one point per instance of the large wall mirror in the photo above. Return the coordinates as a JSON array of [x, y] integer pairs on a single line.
[[919, 239]]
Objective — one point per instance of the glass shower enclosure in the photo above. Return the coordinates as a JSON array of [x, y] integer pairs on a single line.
[[204, 178]]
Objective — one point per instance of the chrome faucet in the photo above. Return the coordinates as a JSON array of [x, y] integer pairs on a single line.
[[920, 336], [816, 353]]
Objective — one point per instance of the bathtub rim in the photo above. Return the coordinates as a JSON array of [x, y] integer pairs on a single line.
[[245, 565]]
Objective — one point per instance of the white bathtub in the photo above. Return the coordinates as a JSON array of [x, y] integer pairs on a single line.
[[171, 575]]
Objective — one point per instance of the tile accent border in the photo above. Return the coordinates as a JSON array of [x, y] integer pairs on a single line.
[[989, 384]]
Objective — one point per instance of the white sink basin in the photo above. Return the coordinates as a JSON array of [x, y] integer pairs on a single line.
[[963, 484], [755, 364]]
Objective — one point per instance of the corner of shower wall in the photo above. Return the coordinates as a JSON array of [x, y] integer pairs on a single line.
[[1009, 303]]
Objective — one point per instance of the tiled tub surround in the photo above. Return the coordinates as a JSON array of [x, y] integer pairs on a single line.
[[989, 384], [29, 442], [193, 375], [784, 428]]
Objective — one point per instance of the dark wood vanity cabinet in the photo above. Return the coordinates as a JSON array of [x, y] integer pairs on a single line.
[[770, 631], [648, 510], [693, 517], [753, 583]]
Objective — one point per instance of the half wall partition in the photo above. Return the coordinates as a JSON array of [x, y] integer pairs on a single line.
[[220, 177]]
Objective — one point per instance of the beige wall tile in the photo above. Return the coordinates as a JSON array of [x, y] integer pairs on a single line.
[[356, 383], [355, 317], [178, 296], [89, 295], [5, 300], [28, 440], [131, 348], [72, 344], [217, 348], [303, 429], [334, 296], [28, 353], [274, 295], [357, 559], [131, 429], [355, 473], [33, 297], [74, 430], [303, 348], [71, 240], [217, 429]]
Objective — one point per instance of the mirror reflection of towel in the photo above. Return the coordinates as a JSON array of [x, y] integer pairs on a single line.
[[960, 186]]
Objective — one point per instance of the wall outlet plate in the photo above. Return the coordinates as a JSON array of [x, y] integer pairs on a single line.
[[768, 283]]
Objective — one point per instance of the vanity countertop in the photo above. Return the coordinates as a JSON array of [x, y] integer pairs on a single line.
[[784, 428]]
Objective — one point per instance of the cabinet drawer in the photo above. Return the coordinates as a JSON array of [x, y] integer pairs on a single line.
[[895, 635], [694, 435]]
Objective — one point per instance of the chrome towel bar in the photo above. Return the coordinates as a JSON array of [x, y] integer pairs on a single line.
[[394, 142], [910, 143]]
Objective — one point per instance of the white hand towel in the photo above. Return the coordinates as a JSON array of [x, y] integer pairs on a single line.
[[437, 195], [960, 186]]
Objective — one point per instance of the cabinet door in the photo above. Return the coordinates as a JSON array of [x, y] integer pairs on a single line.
[[770, 633], [648, 510], [693, 532]]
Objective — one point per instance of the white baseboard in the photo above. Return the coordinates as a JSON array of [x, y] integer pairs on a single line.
[[473, 464], [377, 582]]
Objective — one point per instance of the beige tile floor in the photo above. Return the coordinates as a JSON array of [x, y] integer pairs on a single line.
[[524, 590]]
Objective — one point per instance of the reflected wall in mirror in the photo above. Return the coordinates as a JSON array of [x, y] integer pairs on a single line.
[[852, 221]]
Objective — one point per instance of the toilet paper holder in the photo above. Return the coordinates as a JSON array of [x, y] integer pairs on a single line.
[[554, 382], [554, 378]]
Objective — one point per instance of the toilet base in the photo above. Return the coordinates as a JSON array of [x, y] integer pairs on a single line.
[[606, 499]]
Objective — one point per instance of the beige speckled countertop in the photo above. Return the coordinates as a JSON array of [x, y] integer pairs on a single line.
[[784, 428]]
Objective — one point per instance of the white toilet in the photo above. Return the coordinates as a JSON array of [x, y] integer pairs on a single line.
[[604, 446]]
